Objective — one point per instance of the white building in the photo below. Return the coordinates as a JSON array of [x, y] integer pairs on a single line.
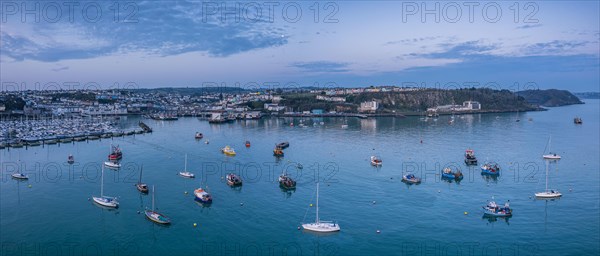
[[368, 106], [471, 105]]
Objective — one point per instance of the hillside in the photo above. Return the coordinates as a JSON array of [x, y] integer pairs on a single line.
[[550, 98]]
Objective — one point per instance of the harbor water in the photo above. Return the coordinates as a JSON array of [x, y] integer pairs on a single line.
[[52, 214]]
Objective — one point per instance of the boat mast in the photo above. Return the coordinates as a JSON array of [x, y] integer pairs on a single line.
[[141, 170], [102, 182], [317, 220], [153, 197], [547, 163], [185, 165]]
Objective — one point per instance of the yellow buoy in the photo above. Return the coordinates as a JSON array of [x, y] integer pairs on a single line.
[[466, 213], [195, 224], [29, 185], [310, 205], [185, 192]]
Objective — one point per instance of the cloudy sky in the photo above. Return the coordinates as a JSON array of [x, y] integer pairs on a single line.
[[552, 44]]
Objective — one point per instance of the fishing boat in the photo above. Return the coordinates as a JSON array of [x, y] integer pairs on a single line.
[[376, 161], [202, 196], [278, 151], [449, 174], [70, 159], [493, 209], [247, 143], [470, 158], [550, 155], [115, 153], [185, 172], [103, 200], [283, 145], [233, 180], [112, 165], [228, 151], [198, 135], [142, 187], [411, 179], [577, 120], [319, 225], [490, 168], [286, 182], [155, 216], [548, 193]]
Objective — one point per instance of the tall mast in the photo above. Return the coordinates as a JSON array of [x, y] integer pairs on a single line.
[[141, 170], [185, 166], [547, 163], [317, 220], [153, 197], [102, 182]]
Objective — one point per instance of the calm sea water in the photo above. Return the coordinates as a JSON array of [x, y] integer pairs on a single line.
[[51, 213]]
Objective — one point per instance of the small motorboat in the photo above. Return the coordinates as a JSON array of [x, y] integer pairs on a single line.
[[278, 151], [286, 182], [411, 179], [299, 166], [376, 161], [492, 209], [577, 120], [187, 174], [490, 168], [20, 176], [202, 196], [198, 136], [233, 180], [228, 151], [142, 187], [283, 145], [247, 143], [449, 174], [206, 142], [344, 126], [470, 158], [113, 165], [70, 159]]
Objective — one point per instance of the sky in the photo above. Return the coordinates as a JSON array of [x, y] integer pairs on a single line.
[[105, 44]]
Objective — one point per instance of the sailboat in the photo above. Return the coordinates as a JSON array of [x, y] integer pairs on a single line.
[[550, 155], [185, 172], [155, 216], [548, 193], [319, 225], [105, 200], [142, 187], [19, 175]]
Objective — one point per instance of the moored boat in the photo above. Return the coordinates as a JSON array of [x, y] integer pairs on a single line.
[[198, 135], [156, 216], [548, 193], [202, 196], [278, 151], [493, 209], [103, 200], [113, 165], [20, 176], [286, 182], [142, 187], [449, 174], [490, 168], [376, 161], [470, 158], [247, 144], [283, 145], [550, 155], [319, 225], [228, 151], [577, 120], [70, 159], [185, 173], [411, 179], [115, 153], [233, 180]]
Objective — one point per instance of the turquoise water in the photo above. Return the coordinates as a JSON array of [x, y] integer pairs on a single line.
[[51, 213]]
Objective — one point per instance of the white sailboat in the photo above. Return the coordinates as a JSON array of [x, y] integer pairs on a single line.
[[320, 225], [548, 193], [550, 155], [185, 172], [103, 200]]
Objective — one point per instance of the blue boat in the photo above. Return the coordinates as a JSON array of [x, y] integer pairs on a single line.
[[492, 209], [449, 174], [202, 196], [491, 169]]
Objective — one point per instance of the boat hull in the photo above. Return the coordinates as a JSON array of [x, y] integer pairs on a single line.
[[20, 176], [554, 194], [552, 157], [321, 227], [106, 201], [157, 217]]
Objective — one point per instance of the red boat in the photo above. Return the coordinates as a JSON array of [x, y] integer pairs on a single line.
[[247, 143], [115, 153]]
